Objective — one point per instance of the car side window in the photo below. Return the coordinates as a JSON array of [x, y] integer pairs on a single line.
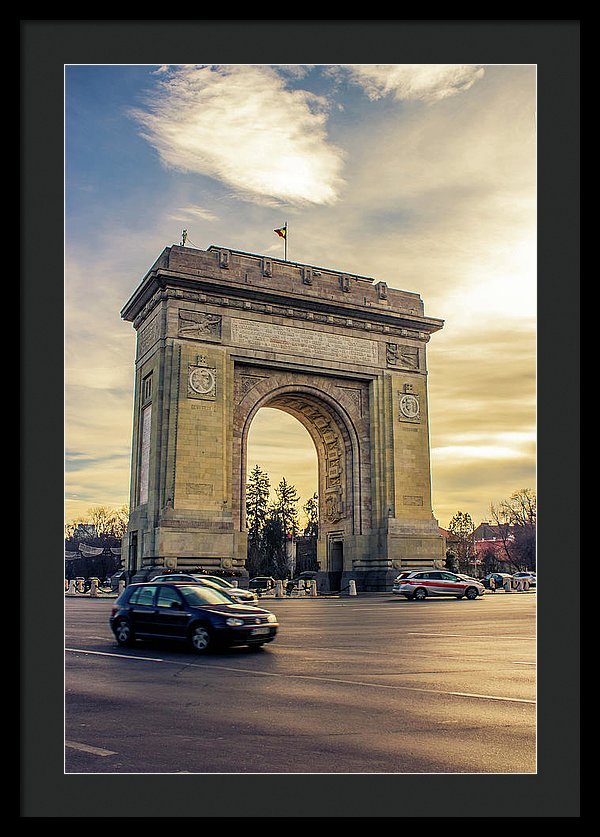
[[436, 576], [166, 596], [448, 577], [423, 576], [143, 596]]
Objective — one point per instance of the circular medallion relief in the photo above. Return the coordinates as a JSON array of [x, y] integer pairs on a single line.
[[409, 406], [202, 381]]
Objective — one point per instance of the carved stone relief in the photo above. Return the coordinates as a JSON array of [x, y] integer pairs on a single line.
[[245, 383], [406, 357], [202, 382], [409, 407], [148, 336], [199, 326]]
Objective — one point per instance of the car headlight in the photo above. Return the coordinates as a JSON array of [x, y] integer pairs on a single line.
[[271, 618], [233, 622]]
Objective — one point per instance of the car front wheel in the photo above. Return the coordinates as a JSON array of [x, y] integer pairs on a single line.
[[201, 639], [420, 594], [123, 632], [471, 593]]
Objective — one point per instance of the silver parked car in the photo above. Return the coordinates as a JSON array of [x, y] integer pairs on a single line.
[[420, 584], [246, 597]]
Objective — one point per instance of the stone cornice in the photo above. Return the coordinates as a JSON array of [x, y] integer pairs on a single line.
[[417, 332], [200, 277]]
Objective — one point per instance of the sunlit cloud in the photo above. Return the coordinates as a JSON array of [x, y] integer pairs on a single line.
[[242, 126], [414, 82], [492, 452]]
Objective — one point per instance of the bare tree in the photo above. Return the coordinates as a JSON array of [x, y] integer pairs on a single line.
[[515, 520]]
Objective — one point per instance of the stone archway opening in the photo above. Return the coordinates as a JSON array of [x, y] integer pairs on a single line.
[[282, 449], [342, 452]]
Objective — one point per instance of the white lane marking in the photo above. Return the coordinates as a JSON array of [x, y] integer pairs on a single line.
[[470, 636], [85, 748], [491, 697], [479, 657], [308, 677], [107, 654]]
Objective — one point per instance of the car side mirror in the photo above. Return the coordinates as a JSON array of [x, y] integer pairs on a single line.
[[176, 605]]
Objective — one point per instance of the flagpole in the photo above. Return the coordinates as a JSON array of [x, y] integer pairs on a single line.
[[282, 232]]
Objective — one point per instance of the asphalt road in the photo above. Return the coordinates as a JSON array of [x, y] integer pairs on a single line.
[[372, 684]]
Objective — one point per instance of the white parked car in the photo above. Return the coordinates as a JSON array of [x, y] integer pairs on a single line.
[[531, 577], [420, 584]]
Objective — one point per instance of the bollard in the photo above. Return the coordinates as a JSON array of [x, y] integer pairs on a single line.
[[94, 587], [525, 584], [520, 587], [79, 584], [279, 589], [507, 584], [72, 587], [313, 588], [121, 585], [352, 587]]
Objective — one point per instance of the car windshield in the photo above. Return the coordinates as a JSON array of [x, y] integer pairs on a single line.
[[221, 582], [200, 595]]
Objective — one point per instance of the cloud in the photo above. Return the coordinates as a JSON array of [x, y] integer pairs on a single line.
[[193, 212], [414, 82], [240, 125]]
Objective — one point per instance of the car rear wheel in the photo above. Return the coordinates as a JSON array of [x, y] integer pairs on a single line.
[[471, 593], [123, 632], [420, 594], [201, 639]]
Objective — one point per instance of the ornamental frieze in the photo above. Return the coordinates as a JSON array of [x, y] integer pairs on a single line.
[[279, 311]]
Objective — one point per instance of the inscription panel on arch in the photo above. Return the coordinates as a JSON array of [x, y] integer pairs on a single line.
[[303, 341]]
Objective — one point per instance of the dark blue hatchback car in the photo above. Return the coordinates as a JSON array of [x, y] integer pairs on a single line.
[[203, 617]]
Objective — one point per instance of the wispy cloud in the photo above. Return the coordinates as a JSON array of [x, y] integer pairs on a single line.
[[193, 212], [242, 126], [414, 82]]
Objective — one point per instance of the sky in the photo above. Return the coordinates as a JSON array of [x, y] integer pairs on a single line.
[[419, 175]]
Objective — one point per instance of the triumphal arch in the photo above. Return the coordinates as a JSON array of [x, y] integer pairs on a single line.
[[222, 333]]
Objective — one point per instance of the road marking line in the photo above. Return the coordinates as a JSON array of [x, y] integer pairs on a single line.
[[85, 748], [107, 654], [491, 697], [308, 677], [470, 636]]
